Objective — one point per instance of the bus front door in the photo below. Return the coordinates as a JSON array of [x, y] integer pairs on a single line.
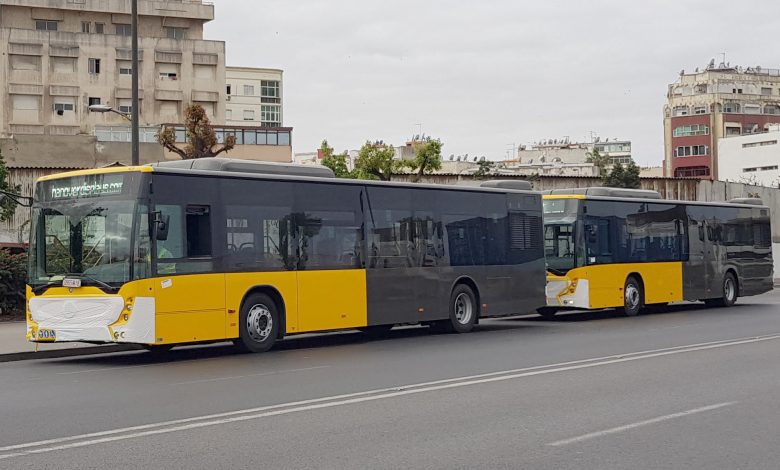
[[695, 270]]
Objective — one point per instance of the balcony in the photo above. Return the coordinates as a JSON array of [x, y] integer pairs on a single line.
[[191, 9]]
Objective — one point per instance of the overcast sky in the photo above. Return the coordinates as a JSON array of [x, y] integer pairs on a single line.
[[484, 75]]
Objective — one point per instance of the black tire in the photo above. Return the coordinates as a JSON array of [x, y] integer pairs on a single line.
[[730, 293], [463, 312], [548, 313], [633, 297], [376, 331], [258, 325]]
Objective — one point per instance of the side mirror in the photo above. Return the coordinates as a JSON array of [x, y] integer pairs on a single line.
[[161, 225]]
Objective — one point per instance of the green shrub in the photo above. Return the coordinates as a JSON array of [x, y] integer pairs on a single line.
[[13, 277]]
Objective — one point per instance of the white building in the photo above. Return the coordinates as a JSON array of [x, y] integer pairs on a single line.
[[752, 159], [254, 97]]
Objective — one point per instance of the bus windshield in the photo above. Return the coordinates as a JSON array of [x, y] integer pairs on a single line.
[[560, 217], [92, 228]]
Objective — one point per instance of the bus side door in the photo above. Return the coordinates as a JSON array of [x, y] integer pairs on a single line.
[[695, 270]]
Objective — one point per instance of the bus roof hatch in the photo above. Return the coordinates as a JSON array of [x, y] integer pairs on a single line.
[[249, 166]]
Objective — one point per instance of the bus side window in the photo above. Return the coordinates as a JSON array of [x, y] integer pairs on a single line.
[[198, 231]]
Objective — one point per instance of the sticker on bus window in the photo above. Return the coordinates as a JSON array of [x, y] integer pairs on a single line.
[[166, 283]]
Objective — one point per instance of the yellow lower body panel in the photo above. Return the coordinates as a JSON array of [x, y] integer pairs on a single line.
[[331, 300], [663, 283]]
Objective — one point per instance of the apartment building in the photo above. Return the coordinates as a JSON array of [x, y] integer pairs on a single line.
[[254, 97], [705, 106], [61, 56]]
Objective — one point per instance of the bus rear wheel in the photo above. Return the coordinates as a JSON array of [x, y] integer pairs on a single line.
[[633, 297], [730, 293], [258, 324], [463, 311]]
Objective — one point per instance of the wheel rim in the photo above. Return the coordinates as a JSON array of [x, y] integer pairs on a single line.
[[464, 308], [259, 322], [632, 296], [729, 288]]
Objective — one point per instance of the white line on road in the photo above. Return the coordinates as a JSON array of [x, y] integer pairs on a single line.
[[351, 398], [638, 424]]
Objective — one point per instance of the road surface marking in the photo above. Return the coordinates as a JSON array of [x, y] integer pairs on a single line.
[[638, 424], [351, 398]]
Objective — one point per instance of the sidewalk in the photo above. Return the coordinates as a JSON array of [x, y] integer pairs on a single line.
[[15, 347]]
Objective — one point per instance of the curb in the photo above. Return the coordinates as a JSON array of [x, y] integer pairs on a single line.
[[58, 353]]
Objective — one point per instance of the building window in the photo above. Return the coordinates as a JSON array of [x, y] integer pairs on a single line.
[[731, 130], [229, 114], [124, 30], [692, 151], [731, 108], [771, 109], [100, 28], [269, 91], [94, 101], [61, 107], [175, 33], [94, 66], [125, 71], [759, 168], [126, 106], [680, 111], [736, 91], [228, 89], [766, 91], [169, 75], [759, 144], [696, 129], [46, 25], [700, 110], [752, 109], [270, 116], [249, 90], [692, 171], [86, 27], [249, 115]]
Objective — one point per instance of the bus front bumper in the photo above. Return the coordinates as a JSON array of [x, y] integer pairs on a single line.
[[567, 293], [91, 320]]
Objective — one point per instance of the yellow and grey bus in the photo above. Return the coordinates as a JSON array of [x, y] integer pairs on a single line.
[[627, 249], [218, 249]]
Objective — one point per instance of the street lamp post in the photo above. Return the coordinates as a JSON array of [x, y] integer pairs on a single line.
[[134, 133], [104, 108]]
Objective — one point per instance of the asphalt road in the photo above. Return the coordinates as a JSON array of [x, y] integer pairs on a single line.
[[690, 388]]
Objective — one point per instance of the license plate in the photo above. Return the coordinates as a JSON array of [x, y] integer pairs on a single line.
[[46, 334], [71, 283]]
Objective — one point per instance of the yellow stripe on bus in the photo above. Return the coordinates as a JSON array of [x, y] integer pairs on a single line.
[[97, 171]]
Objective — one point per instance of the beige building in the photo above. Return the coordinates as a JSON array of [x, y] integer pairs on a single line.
[[60, 56], [706, 105], [254, 97]]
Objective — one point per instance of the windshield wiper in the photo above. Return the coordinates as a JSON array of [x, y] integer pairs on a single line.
[[557, 272]]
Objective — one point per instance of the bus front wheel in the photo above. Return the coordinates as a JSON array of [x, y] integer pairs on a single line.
[[730, 293], [258, 324], [633, 297]]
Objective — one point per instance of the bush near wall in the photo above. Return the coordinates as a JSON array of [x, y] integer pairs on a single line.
[[13, 277]]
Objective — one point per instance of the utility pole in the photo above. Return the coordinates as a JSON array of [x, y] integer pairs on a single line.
[[134, 134]]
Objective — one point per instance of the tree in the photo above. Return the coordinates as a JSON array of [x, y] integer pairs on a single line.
[[7, 204], [375, 161], [485, 167], [427, 158], [620, 177], [201, 138], [336, 162], [599, 161]]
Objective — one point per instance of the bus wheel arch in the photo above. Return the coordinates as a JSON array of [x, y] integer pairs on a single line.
[[277, 298], [730, 294], [633, 294]]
